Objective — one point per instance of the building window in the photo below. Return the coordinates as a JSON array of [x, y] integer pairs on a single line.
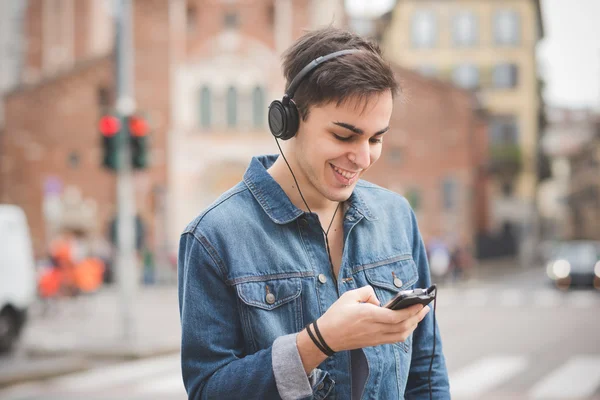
[[507, 189], [466, 76], [507, 28], [413, 196], [104, 97], [424, 29], [191, 19], [449, 192], [231, 107], [231, 20], [429, 71], [465, 30], [395, 155], [258, 107], [504, 130], [505, 76], [205, 107], [271, 15], [74, 160]]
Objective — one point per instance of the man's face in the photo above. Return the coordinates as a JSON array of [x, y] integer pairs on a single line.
[[335, 145]]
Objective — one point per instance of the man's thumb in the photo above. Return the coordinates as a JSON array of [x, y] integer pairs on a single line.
[[366, 294]]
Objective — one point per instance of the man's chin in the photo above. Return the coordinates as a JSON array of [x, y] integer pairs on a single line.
[[340, 194]]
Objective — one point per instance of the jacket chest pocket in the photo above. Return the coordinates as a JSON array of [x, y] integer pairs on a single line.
[[270, 308], [388, 277]]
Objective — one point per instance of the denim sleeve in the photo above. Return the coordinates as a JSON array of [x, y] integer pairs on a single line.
[[417, 386], [213, 362]]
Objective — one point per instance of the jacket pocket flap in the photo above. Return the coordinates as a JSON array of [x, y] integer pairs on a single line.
[[396, 274], [269, 294]]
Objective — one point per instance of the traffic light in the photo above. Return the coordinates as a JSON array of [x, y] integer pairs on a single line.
[[138, 133], [110, 128]]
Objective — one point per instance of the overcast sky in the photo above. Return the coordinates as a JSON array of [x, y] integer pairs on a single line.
[[568, 56]]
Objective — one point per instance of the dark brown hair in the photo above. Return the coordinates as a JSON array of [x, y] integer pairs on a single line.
[[352, 76]]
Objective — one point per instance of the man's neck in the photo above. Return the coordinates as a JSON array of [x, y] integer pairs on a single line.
[[282, 175]]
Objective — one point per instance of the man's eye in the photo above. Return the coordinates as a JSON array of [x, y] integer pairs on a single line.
[[376, 140], [342, 138]]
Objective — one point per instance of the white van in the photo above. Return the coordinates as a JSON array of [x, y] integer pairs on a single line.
[[17, 274]]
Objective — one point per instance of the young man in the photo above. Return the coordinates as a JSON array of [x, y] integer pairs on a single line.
[[303, 240]]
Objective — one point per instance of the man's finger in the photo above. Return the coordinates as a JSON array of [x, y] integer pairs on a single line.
[[386, 316], [365, 294]]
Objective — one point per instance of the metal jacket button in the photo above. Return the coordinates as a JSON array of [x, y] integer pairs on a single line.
[[322, 278], [397, 282], [270, 298]]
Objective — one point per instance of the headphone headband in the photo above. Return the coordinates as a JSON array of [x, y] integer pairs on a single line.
[[283, 115], [307, 69]]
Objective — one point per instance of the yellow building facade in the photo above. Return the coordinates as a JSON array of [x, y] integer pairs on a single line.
[[489, 47]]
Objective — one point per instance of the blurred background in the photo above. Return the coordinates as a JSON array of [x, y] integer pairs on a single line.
[[495, 142]]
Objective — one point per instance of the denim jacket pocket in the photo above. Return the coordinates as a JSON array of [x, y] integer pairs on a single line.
[[270, 308], [388, 278]]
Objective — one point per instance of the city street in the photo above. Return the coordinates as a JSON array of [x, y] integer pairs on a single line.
[[506, 337]]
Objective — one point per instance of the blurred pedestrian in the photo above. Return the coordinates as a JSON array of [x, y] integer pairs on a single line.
[[301, 240]]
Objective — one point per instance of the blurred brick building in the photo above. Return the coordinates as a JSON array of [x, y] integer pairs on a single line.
[[205, 72], [488, 47], [436, 156], [191, 57], [570, 200]]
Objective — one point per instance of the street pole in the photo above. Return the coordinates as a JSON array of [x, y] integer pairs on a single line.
[[125, 106]]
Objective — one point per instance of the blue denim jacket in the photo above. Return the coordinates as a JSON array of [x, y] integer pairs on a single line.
[[248, 268]]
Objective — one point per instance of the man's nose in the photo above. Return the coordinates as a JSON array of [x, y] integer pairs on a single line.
[[361, 156]]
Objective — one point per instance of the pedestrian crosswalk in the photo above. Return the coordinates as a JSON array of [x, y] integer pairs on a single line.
[[488, 377], [485, 374], [490, 296], [575, 378], [154, 378]]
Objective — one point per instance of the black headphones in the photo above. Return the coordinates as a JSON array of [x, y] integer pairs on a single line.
[[283, 115]]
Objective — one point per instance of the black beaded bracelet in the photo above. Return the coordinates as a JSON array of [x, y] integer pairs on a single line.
[[315, 341], [329, 352]]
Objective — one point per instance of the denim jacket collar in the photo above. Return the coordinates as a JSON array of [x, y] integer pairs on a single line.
[[276, 203]]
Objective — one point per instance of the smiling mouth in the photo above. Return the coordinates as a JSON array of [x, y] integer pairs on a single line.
[[344, 176]]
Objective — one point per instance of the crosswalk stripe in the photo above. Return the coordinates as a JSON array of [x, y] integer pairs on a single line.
[[511, 298], [475, 298], [118, 374], [547, 298], [578, 378], [485, 374], [581, 300], [168, 384]]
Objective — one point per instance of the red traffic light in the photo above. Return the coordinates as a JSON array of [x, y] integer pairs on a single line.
[[109, 125], [138, 127]]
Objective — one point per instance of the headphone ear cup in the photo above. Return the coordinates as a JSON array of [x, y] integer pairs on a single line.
[[277, 119], [292, 120]]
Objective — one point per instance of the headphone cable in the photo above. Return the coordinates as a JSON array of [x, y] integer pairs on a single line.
[[433, 351], [325, 233]]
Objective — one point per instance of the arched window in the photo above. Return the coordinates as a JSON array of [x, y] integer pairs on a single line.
[[258, 107], [205, 107], [231, 107]]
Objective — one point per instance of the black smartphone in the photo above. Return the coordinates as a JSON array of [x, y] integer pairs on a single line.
[[407, 298]]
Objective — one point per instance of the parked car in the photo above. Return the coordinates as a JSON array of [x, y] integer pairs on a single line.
[[17, 274], [574, 263]]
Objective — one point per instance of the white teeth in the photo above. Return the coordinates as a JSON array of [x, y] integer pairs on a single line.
[[345, 174]]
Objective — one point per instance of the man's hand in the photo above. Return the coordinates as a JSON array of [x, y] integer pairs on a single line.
[[355, 321]]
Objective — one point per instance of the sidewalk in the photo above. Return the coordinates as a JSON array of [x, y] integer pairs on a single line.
[[74, 334], [91, 326]]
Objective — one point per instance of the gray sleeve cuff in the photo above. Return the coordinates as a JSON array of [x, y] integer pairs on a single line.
[[291, 380]]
